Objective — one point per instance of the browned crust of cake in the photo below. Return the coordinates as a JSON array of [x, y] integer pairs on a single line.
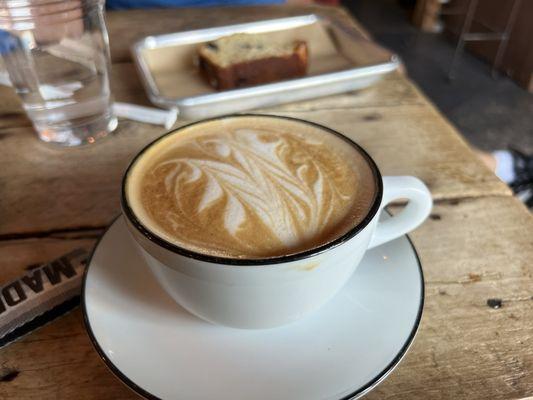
[[256, 72]]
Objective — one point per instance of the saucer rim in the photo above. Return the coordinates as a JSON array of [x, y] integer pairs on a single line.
[[149, 396]]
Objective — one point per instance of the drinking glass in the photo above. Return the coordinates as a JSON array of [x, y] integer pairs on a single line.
[[56, 54]]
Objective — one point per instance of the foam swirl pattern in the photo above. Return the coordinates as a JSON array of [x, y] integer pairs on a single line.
[[249, 188]]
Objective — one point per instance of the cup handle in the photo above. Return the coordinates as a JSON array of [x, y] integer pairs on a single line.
[[415, 212]]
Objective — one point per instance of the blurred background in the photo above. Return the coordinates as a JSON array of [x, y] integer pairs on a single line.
[[492, 109]]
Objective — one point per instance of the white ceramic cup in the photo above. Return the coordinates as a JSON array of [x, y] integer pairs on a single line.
[[266, 293]]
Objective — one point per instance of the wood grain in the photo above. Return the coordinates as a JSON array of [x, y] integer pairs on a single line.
[[464, 349], [79, 188], [476, 246], [392, 91], [472, 251], [19, 255], [127, 90], [413, 140], [58, 362]]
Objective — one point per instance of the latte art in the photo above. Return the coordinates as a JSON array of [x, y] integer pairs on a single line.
[[250, 175], [247, 190]]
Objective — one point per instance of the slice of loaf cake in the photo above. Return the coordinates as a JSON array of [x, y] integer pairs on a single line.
[[250, 59]]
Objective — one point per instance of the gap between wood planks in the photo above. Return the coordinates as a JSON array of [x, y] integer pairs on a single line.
[[94, 232], [79, 232], [21, 121]]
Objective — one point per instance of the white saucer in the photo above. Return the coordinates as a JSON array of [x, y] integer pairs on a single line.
[[162, 352]]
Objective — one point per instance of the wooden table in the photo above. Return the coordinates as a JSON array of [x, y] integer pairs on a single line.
[[477, 245]]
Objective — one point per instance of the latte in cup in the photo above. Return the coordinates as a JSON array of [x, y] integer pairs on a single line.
[[251, 187]]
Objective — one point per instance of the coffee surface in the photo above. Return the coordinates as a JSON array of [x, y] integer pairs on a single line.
[[251, 187]]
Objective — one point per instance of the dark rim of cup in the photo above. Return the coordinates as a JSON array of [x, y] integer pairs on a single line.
[[132, 218]]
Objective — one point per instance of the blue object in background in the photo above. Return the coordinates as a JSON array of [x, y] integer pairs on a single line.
[[8, 42], [127, 4]]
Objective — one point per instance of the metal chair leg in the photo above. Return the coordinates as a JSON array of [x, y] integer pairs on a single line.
[[505, 40], [461, 42]]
